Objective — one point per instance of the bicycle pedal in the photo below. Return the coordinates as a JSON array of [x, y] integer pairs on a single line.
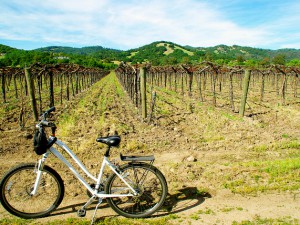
[[81, 212]]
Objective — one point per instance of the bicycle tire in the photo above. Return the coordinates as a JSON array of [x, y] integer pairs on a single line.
[[147, 180], [17, 185]]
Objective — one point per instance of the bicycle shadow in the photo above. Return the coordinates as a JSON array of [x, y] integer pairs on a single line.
[[73, 208], [183, 199]]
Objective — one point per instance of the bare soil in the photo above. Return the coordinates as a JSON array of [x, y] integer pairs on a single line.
[[195, 147]]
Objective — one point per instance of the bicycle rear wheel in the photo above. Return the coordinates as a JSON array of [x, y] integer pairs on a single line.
[[17, 185], [147, 180]]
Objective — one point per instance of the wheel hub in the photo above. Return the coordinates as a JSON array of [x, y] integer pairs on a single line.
[[139, 190]]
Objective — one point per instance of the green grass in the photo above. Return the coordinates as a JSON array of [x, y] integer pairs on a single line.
[[195, 216], [277, 146], [135, 145], [67, 123], [268, 221], [107, 221], [227, 209], [93, 100], [232, 116], [256, 176], [15, 221], [261, 148], [206, 211]]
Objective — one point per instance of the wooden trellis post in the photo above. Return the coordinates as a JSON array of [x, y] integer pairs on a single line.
[[143, 92], [30, 86], [231, 91], [246, 82], [51, 89], [15, 85], [3, 87]]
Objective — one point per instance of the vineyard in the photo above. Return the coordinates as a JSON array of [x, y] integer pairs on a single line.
[[43, 86], [217, 85], [221, 167], [46, 85]]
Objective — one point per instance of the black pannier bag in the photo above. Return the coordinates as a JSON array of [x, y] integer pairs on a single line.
[[40, 142]]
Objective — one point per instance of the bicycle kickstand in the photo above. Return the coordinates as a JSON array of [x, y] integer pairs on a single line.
[[99, 202]]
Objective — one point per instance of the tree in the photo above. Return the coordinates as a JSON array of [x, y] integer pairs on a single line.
[[185, 60], [250, 63], [294, 62], [240, 59], [265, 61], [209, 56], [279, 59], [220, 61]]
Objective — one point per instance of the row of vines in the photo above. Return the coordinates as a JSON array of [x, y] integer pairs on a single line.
[[218, 85], [44, 85]]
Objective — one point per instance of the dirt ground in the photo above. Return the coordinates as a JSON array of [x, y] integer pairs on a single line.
[[191, 146]]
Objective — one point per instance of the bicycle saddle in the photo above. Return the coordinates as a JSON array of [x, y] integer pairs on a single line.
[[110, 140]]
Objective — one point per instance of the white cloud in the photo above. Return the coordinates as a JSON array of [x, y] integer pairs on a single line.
[[196, 25], [129, 24]]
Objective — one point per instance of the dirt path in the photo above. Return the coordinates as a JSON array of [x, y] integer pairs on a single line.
[[222, 208]]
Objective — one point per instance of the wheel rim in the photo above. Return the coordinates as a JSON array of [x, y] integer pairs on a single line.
[[20, 184], [145, 182]]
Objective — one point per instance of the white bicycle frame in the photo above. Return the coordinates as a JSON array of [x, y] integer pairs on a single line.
[[94, 192]]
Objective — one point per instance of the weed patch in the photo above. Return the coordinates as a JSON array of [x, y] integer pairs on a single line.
[[251, 177], [268, 221], [106, 221]]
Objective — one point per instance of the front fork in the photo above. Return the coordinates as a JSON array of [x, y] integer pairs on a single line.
[[38, 170]]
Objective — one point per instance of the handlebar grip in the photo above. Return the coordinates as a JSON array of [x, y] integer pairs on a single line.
[[50, 110], [47, 124]]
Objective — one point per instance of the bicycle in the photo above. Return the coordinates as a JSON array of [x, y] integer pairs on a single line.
[[136, 189]]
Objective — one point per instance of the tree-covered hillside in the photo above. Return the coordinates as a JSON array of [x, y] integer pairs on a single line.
[[162, 53], [5, 49], [156, 53], [97, 52], [55, 55], [236, 52]]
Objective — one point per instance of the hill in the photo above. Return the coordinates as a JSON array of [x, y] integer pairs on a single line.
[[169, 53], [163, 52], [5, 49], [158, 53], [92, 50], [232, 52]]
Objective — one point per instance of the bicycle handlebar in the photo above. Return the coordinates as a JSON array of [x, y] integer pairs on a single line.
[[45, 114], [43, 118], [46, 123], [52, 109]]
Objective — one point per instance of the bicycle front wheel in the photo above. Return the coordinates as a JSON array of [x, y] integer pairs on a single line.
[[147, 180], [17, 185]]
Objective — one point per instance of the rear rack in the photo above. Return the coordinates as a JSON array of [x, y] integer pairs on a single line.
[[137, 158]]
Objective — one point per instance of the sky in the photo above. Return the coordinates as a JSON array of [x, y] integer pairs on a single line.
[[129, 24]]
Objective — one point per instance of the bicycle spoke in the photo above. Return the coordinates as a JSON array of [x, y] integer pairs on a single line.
[[147, 184], [17, 187]]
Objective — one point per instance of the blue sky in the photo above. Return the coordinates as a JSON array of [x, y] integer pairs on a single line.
[[121, 24]]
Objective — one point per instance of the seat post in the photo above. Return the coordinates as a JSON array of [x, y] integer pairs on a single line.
[[107, 151]]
